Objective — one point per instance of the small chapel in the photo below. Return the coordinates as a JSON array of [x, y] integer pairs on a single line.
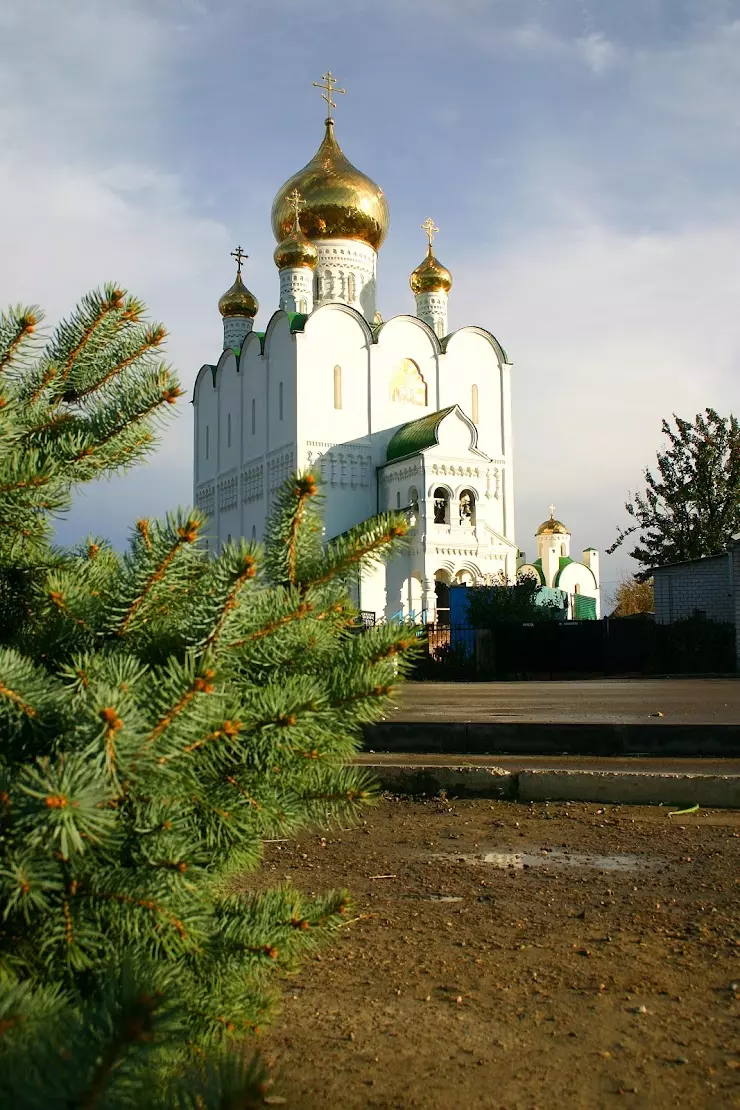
[[390, 414], [576, 583]]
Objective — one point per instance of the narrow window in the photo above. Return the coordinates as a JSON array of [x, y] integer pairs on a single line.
[[441, 506], [398, 500], [280, 401], [467, 507], [351, 288], [337, 387], [254, 532], [207, 438], [475, 404], [228, 430], [228, 538], [254, 416]]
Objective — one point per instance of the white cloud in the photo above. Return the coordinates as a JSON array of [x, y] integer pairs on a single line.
[[597, 51], [609, 332]]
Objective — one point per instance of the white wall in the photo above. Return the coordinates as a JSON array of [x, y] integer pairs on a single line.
[[703, 584]]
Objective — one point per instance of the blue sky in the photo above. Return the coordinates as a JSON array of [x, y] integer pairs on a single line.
[[581, 157]]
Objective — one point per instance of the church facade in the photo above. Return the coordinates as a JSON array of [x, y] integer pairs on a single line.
[[396, 414]]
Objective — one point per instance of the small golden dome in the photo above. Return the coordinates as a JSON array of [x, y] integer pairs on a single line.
[[431, 276], [296, 249], [340, 202], [552, 526], [238, 301]]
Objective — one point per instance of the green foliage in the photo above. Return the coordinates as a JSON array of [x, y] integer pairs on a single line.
[[163, 713], [691, 507], [633, 596], [501, 604]]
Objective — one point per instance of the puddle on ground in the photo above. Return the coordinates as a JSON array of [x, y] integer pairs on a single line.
[[505, 858]]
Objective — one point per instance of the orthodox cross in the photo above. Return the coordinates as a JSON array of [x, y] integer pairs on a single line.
[[552, 512], [329, 87], [430, 229], [297, 202], [239, 255]]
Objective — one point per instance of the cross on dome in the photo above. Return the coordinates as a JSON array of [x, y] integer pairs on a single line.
[[329, 86], [297, 202], [430, 229], [552, 512], [240, 257]]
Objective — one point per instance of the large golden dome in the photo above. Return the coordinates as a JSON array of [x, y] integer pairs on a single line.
[[431, 276], [340, 202], [552, 527], [238, 301]]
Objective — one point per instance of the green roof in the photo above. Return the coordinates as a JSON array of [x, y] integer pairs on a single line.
[[417, 435], [564, 561], [297, 320], [537, 564]]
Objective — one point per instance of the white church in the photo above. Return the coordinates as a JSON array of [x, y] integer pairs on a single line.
[[395, 414]]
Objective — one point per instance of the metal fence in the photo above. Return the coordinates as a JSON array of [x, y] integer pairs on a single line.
[[554, 649]]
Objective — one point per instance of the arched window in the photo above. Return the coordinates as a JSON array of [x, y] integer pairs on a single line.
[[228, 538], [302, 306], [254, 416], [228, 430], [398, 500], [207, 440], [254, 532], [414, 499], [475, 404], [562, 550], [441, 506], [467, 508], [280, 401], [351, 288], [337, 387]]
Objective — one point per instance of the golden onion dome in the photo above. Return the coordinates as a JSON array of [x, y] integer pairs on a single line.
[[340, 202], [296, 249], [552, 527], [431, 276], [238, 301]]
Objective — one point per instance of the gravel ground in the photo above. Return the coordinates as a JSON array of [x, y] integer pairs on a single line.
[[517, 957]]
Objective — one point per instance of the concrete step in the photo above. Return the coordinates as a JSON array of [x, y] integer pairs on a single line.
[[634, 786]]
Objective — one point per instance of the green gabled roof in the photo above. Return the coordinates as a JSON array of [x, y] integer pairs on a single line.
[[417, 435]]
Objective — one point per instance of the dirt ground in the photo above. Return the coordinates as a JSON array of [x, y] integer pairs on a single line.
[[592, 961]]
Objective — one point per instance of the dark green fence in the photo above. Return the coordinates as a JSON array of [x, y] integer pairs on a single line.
[[555, 649]]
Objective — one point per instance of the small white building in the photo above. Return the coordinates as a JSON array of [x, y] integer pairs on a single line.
[[396, 414], [555, 568]]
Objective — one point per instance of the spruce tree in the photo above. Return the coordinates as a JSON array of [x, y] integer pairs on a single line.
[[162, 713]]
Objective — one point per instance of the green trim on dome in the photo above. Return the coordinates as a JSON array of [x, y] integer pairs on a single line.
[[417, 435], [297, 321], [564, 562], [537, 564]]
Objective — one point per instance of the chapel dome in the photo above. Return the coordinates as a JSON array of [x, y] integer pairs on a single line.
[[238, 301], [552, 527], [340, 202], [431, 276], [296, 249]]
